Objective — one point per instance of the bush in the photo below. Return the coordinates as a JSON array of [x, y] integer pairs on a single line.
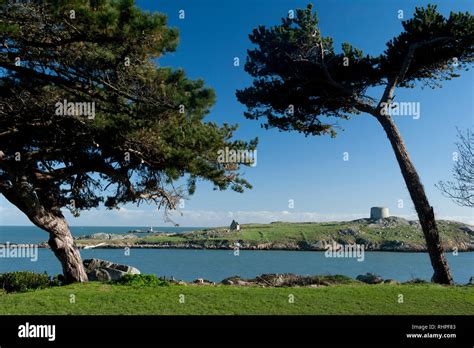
[[140, 280], [24, 281], [416, 281], [338, 279]]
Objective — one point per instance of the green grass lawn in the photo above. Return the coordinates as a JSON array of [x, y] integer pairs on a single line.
[[98, 298]]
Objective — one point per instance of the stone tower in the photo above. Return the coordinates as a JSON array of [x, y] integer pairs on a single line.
[[378, 213]]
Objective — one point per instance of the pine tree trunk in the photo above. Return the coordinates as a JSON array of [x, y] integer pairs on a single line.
[[425, 212], [62, 244], [52, 221]]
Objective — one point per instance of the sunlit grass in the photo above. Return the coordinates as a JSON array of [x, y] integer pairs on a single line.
[[98, 298]]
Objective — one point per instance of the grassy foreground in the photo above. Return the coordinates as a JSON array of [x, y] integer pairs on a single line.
[[99, 298]]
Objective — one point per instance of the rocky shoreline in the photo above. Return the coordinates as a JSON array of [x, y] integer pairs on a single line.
[[102, 270], [393, 246]]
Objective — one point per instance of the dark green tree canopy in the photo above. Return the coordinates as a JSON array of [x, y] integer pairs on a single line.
[[148, 130], [301, 83]]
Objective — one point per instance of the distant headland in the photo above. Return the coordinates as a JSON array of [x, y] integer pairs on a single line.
[[380, 234]]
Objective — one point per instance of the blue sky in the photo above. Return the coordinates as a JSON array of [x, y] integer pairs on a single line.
[[310, 171]]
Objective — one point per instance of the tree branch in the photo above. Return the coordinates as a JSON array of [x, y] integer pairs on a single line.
[[394, 81]]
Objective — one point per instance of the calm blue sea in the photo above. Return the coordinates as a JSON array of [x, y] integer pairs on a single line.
[[33, 234], [216, 265]]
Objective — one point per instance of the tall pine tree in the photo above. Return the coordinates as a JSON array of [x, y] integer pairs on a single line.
[[302, 84], [88, 117]]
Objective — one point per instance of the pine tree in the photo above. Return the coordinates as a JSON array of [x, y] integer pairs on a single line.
[[302, 84], [87, 117]]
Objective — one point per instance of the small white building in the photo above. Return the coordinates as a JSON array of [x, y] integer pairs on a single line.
[[234, 226]]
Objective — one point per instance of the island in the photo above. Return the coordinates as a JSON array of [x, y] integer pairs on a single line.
[[384, 234]]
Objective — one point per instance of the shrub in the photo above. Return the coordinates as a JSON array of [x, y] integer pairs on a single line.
[[338, 279], [24, 281], [140, 280], [416, 281]]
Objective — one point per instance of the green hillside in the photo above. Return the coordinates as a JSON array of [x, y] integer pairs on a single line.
[[392, 233]]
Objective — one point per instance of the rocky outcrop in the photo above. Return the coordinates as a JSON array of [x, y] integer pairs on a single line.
[[102, 270], [236, 280], [349, 232], [287, 280], [386, 245], [369, 278], [391, 282], [202, 281], [108, 236], [467, 230], [392, 221]]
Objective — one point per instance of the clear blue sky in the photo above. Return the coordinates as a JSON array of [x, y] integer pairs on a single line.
[[311, 171]]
